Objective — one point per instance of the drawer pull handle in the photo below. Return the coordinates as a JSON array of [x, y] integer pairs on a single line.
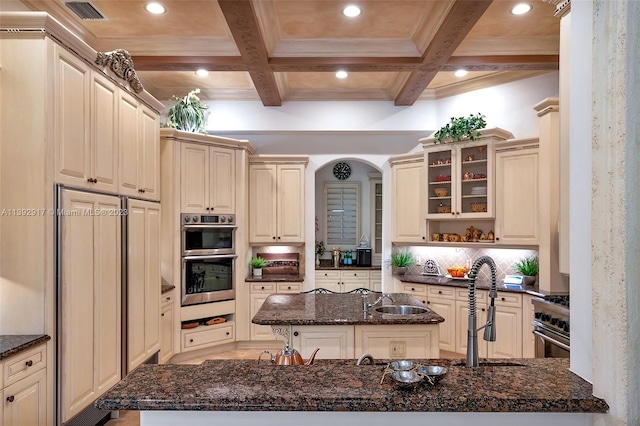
[[503, 299], [262, 288], [227, 333], [169, 298], [439, 291], [295, 333], [190, 340], [10, 398], [289, 288], [428, 303], [162, 314], [413, 289], [483, 309], [29, 363]]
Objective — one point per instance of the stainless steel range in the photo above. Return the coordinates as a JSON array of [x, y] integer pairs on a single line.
[[551, 326]]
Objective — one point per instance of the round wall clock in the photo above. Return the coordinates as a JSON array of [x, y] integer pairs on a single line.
[[342, 171]]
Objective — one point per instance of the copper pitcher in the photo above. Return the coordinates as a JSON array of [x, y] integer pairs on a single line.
[[289, 356]]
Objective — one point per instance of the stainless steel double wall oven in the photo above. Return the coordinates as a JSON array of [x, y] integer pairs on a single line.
[[208, 258]]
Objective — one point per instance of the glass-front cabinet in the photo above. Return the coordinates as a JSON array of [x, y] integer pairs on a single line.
[[460, 181]]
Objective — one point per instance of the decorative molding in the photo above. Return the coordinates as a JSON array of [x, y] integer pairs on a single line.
[[546, 106], [562, 7], [121, 64]]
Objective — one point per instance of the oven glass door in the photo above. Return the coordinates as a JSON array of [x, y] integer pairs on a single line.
[[207, 239], [207, 279], [550, 344]]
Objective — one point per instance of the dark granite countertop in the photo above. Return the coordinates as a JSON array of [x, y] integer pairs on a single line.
[[14, 344], [336, 309], [166, 288], [289, 278], [480, 284], [538, 385], [348, 268]]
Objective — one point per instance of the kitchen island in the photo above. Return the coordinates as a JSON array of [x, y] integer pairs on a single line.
[[342, 328], [221, 392]]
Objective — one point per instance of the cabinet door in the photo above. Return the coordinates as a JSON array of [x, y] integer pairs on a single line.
[[143, 282], [104, 134], [290, 211], [517, 197], [194, 181], [474, 180], [508, 342], [375, 281], [528, 338], [408, 211], [25, 402], [131, 155], [462, 325], [446, 309], [262, 203], [440, 173], [166, 333], [259, 332], [149, 147], [334, 341], [91, 300], [418, 341], [222, 176], [71, 116]]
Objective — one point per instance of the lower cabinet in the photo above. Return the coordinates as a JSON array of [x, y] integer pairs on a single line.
[[443, 301], [167, 324], [24, 397], [258, 294], [206, 336], [397, 341], [375, 281], [334, 341], [528, 338], [341, 281]]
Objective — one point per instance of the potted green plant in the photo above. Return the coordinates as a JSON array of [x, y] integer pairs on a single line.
[[401, 260], [188, 113], [528, 266], [461, 128], [257, 263]]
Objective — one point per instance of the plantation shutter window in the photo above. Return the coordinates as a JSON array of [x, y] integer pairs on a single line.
[[342, 201]]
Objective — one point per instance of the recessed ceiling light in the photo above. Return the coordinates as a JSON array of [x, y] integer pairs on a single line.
[[202, 73], [521, 8], [155, 8], [342, 74], [351, 11], [461, 73]]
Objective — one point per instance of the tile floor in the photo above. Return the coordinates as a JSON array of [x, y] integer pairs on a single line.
[[132, 418]]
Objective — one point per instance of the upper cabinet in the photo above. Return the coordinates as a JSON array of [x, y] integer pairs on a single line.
[[276, 199], [207, 179], [407, 187]]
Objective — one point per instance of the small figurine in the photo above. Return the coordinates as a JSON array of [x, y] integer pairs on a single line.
[[490, 236]]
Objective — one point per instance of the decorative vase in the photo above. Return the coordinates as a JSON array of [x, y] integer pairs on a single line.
[[257, 272], [400, 270], [529, 280], [317, 260]]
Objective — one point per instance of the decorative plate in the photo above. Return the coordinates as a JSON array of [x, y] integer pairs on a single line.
[[431, 267], [342, 171]]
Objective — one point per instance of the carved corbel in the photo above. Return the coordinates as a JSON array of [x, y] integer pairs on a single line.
[[121, 64]]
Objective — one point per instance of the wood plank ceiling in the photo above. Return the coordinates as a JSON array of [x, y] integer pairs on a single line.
[[281, 50]]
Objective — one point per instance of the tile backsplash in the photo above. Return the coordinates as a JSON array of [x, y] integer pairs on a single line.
[[458, 256]]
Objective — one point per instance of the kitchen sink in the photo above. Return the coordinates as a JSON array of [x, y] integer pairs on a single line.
[[401, 310]]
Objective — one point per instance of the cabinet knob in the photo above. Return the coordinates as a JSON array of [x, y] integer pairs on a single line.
[[227, 333], [190, 340], [453, 214], [413, 289], [355, 275], [274, 238], [325, 274], [141, 190], [497, 239], [278, 237], [29, 363], [289, 288], [424, 238], [503, 299], [162, 314], [92, 180], [10, 398], [428, 303], [295, 333], [439, 291], [211, 208], [262, 288], [169, 298], [206, 208], [483, 309]]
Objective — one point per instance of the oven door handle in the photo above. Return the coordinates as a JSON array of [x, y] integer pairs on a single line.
[[209, 226], [209, 256], [551, 340]]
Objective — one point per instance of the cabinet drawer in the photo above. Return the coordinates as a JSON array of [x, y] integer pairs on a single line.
[[414, 288], [441, 292], [289, 287], [481, 295], [22, 365], [263, 288], [212, 335], [509, 299], [354, 274], [327, 274], [376, 274], [167, 298]]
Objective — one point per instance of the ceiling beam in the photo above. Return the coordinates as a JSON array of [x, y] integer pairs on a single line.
[[243, 23], [503, 63], [461, 18], [188, 63]]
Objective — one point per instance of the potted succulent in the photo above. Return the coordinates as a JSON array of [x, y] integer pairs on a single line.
[[188, 113], [528, 266], [401, 260], [319, 251], [257, 263], [461, 128]]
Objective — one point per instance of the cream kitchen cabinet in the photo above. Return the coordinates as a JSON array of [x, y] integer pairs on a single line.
[[343, 281], [517, 195], [528, 338], [139, 137], [276, 202], [24, 398], [334, 341], [419, 291], [90, 300], [207, 179], [143, 282], [258, 294], [416, 341], [407, 192], [375, 280], [442, 300], [167, 324], [86, 114]]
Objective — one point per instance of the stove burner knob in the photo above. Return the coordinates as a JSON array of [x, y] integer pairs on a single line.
[[187, 219], [546, 317], [195, 219], [230, 219], [554, 321], [223, 219], [566, 327], [538, 315]]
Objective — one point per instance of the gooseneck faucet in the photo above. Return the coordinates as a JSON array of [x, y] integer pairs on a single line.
[[366, 305], [489, 327]]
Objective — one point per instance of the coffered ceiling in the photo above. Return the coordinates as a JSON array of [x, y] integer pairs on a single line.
[[285, 50]]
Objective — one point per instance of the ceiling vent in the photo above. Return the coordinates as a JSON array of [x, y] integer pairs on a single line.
[[85, 10]]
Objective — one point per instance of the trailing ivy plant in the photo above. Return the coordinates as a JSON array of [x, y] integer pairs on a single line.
[[461, 128], [188, 113]]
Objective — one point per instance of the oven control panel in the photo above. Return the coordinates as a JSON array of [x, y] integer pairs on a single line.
[[208, 219]]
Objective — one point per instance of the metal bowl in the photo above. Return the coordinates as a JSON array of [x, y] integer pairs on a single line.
[[401, 365], [406, 377], [436, 372]]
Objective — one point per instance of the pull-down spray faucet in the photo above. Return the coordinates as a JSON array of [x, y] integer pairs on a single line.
[[489, 327]]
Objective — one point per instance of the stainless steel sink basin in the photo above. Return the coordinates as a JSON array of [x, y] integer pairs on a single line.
[[401, 310]]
